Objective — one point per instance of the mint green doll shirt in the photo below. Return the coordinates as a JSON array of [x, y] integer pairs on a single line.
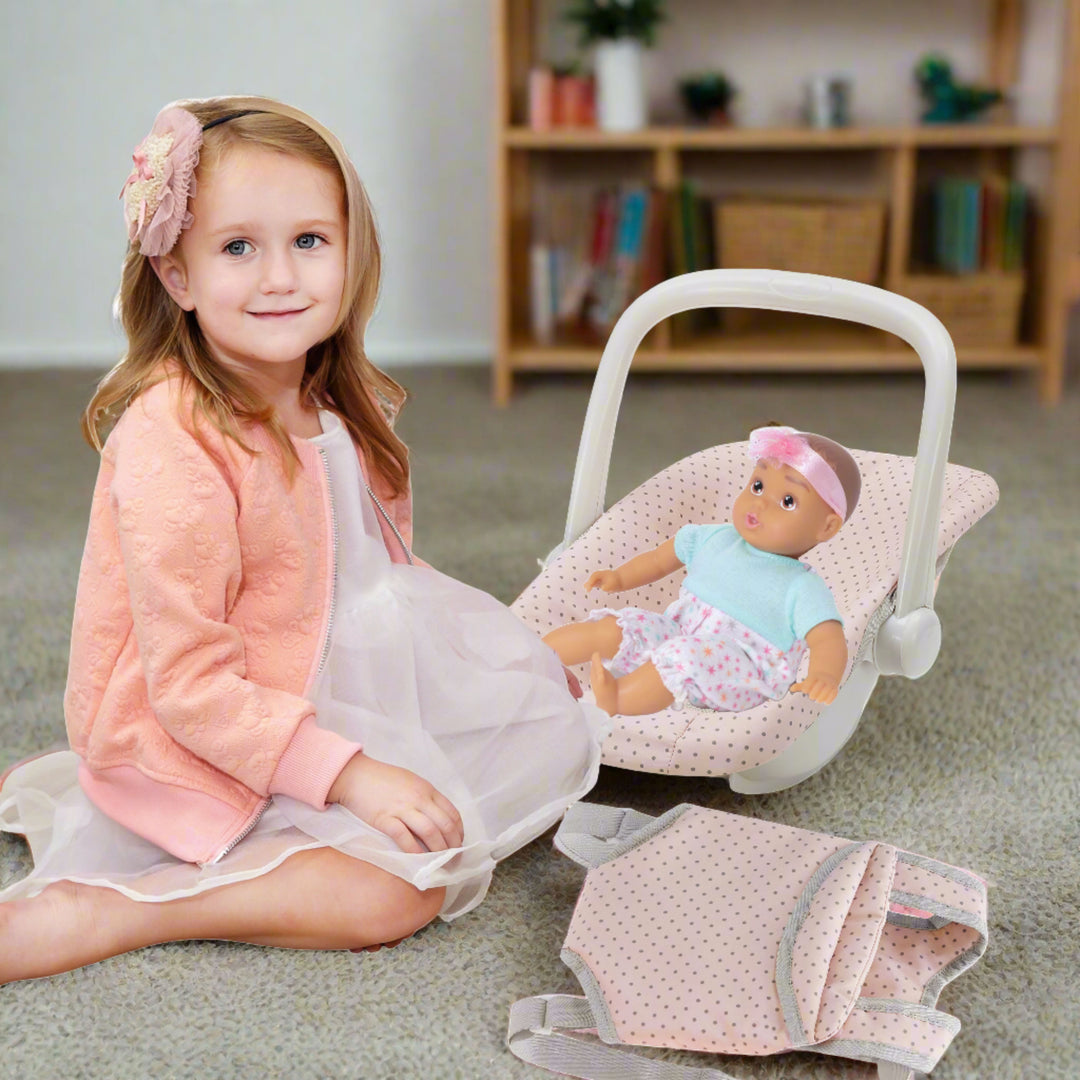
[[779, 597]]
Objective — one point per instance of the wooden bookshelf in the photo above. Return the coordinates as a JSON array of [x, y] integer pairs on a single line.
[[660, 154]]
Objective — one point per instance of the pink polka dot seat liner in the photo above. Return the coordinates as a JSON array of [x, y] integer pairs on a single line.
[[709, 931], [860, 565]]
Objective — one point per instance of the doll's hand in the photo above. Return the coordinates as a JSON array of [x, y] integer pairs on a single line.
[[822, 688], [399, 803], [608, 580]]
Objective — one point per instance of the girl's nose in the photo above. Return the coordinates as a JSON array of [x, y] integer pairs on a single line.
[[279, 272]]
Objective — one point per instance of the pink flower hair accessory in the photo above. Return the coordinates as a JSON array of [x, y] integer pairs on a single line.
[[791, 447], [156, 193]]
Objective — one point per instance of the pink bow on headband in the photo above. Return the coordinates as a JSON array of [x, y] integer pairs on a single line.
[[790, 447]]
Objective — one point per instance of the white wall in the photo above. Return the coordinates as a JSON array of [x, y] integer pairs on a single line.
[[406, 84]]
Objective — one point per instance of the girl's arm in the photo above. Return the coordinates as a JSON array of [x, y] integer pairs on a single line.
[[174, 511], [642, 569], [828, 659]]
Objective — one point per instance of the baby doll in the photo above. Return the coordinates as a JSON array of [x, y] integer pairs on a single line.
[[748, 608]]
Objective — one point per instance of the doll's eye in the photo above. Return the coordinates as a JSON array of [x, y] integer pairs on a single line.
[[757, 487], [788, 502]]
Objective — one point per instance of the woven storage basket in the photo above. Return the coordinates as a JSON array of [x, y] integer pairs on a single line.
[[842, 238], [977, 309]]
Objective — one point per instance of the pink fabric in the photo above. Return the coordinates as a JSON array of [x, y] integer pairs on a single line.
[[156, 193], [200, 616], [789, 447], [311, 763], [728, 934]]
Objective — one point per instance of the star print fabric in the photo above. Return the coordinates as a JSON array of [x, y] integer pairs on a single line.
[[704, 656]]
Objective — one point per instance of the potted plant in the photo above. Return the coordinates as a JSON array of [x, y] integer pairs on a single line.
[[708, 97], [618, 31]]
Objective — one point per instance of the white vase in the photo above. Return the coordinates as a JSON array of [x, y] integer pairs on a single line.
[[620, 85]]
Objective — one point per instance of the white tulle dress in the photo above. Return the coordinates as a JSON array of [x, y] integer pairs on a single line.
[[427, 673]]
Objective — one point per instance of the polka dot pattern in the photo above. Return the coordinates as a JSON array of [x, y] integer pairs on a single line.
[[687, 937], [684, 950], [860, 566]]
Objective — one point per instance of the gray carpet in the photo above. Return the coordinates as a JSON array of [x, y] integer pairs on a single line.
[[978, 763]]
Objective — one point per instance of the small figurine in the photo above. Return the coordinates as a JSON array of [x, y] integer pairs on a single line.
[[748, 608], [947, 102]]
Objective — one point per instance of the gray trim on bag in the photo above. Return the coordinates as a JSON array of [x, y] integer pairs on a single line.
[[961, 877], [592, 834], [601, 1014], [785, 986]]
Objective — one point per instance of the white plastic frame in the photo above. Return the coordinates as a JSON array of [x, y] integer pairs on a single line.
[[908, 642]]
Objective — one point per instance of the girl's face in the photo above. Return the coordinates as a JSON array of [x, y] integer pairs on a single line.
[[779, 511], [263, 264]]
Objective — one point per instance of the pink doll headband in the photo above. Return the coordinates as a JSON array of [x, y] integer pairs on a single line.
[[791, 447], [157, 191]]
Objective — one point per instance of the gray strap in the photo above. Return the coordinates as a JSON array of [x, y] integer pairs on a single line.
[[533, 1037], [591, 834]]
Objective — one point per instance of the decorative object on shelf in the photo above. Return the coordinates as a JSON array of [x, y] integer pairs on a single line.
[[948, 102], [618, 31], [828, 101], [708, 97], [560, 97]]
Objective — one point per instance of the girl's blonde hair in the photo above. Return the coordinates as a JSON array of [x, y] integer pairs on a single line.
[[162, 336]]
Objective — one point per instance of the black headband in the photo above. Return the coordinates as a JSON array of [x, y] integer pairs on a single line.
[[231, 116]]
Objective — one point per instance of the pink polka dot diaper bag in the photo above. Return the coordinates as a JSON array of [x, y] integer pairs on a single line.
[[707, 931]]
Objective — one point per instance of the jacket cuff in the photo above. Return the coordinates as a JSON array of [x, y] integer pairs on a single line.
[[311, 763]]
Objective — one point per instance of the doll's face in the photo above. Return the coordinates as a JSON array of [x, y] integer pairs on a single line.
[[778, 511]]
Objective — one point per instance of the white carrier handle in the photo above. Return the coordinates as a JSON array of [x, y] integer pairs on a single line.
[[808, 294]]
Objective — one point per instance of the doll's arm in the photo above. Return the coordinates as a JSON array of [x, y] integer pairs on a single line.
[[828, 658], [642, 569]]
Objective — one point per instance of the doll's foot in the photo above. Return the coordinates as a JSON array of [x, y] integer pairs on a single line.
[[604, 687]]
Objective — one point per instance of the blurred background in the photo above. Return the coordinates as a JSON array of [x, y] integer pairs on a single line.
[[534, 164]]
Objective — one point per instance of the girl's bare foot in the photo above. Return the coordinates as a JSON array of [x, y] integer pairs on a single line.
[[605, 689], [64, 927]]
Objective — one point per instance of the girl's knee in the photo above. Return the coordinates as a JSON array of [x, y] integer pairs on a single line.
[[409, 910]]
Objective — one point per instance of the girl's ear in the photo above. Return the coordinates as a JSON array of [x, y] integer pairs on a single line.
[[172, 274]]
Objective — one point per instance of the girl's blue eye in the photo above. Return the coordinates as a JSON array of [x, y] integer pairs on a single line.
[[308, 241], [757, 487], [788, 502], [237, 247]]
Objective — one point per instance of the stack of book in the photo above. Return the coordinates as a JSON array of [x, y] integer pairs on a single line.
[[560, 98], [595, 251], [979, 225]]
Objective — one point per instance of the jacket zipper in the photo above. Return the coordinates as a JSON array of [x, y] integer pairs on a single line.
[[326, 639], [390, 522], [334, 556], [236, 839]]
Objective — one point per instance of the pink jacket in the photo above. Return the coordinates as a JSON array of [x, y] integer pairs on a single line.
[[202, 619]]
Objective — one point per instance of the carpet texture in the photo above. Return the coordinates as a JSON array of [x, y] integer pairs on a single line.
[[978, 763]]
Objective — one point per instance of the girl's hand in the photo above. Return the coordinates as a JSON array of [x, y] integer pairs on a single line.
[[399, 803], [608, 580]]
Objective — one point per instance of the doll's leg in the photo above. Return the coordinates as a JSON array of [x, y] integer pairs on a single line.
[[318, 899], [642, 691], [576, 642]]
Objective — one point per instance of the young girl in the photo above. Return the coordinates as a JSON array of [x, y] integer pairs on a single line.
[[284, 728], [748, 608]]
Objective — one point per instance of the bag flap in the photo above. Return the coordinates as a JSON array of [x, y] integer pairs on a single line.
[[831, 938]]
